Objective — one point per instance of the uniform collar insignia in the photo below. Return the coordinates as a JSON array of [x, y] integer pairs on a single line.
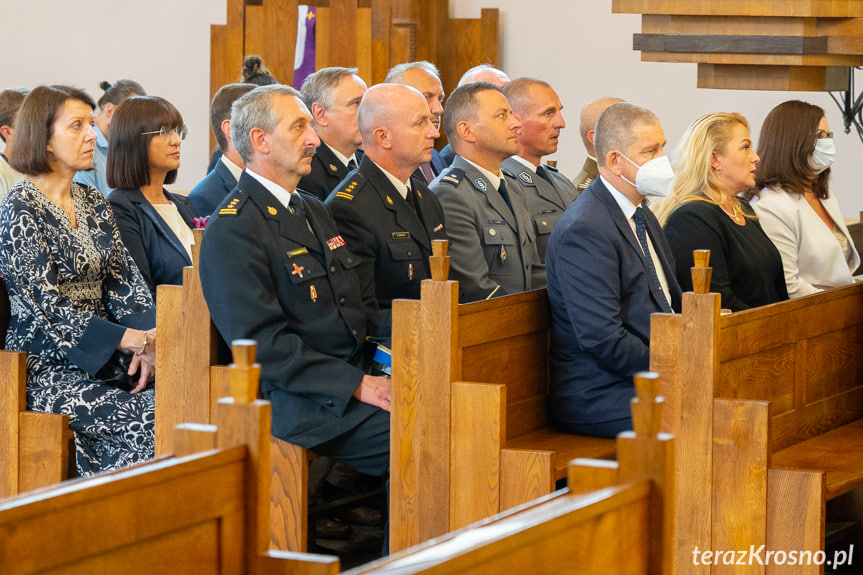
[[273, 211], [525, 177], [480, 183]]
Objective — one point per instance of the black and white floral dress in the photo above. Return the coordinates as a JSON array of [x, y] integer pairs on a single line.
[[73, 292]]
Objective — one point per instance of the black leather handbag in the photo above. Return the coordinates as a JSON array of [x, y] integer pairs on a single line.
[[115, 371]]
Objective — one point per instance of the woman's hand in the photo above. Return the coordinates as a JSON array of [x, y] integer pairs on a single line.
[[144, 358]]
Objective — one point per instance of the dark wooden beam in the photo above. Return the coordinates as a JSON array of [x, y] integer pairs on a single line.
[[734, 44]]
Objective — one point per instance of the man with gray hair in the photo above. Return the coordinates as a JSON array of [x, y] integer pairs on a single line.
[[609, 268], [425, 77], [389, 218], [275, 269], [210, 191], [333, 97], [492, 244], [587, 123], [10, 102], [547, 192]]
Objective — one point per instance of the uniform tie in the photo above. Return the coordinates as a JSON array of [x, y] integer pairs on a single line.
[[641, 232], [501, 189], [352, 164], [543, 173]]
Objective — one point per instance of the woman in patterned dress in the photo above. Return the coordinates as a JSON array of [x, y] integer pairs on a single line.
[[76, 295]]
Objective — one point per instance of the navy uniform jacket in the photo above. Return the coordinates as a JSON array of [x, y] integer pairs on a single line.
[[492, 250], [155, 248], [327, 172], [210, 191], [266, 277], [601, 295], [546, 201], [393, 241]]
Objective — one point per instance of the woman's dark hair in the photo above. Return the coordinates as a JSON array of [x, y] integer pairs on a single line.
[[119, 91], [254, 72], [34, 126], [128, 155], [787, 140]]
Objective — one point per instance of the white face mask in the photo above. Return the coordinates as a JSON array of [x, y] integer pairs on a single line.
[[653, 178], [824, 154]]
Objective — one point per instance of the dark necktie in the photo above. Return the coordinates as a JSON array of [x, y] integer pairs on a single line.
[[296, 206], [411, 198], [352, 164], [501, 189], [641, 232], [543, 173], [427, 171]]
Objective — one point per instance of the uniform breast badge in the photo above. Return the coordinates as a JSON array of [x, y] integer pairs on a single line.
[[298, 271], [313, 293]]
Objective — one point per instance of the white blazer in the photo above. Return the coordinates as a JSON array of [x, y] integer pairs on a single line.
[[811, 255]]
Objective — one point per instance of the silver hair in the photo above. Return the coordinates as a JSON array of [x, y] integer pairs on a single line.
[[615, 129], [256, 110], [397, 73], [320, 86]]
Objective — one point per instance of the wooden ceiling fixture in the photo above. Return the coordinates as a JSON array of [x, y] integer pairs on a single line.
[[796, 45]]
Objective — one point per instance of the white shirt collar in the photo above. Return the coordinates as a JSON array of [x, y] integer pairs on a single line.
[[402, 187], [493, 179], [342, 158], [235, 170], [528, 165], [626, 205], [281, 194]]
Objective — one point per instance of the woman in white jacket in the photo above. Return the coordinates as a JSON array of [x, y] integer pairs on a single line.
[[794, 204]]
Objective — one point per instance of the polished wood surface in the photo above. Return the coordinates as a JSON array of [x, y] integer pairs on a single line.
[[469, 430]]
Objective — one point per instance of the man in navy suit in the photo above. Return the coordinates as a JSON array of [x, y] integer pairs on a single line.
[[609, 268], [425, 77], [210, 191], [333, 96]]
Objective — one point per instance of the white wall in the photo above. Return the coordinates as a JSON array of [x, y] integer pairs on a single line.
[[579, 46], [585, 52], [163, 44]]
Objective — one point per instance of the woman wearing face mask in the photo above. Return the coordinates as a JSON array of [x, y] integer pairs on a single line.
[[713, 163], [794, 204]]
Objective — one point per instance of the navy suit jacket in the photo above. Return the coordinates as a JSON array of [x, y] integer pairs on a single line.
[[437, 163], [210, 191], [155, 248], [601, 295]]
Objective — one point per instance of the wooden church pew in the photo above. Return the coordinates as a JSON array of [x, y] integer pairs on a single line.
[[199, 512], [190, 383], [767, 408], [614, 519], [34, 446], [469, 436]]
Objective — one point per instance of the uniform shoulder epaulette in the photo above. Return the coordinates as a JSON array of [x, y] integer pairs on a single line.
[[507, 172], [551, 168], [452, 176], [351, 187], [234, 204]]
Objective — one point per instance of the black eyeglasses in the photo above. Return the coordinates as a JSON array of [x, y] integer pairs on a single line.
[[181, 132], [824, 134]]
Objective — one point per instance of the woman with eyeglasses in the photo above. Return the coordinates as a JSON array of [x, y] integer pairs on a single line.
[[156, 225], [77, 297], [794, 203]]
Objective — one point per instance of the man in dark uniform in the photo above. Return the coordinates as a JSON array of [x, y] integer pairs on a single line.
[[388, 218], [275, 269], [333, 96], [492, 245], [425, 77], [587, 126], [546, 191]]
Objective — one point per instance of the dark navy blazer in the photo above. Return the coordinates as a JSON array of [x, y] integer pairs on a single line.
[[601, 295], [210, 191], [158, 252]]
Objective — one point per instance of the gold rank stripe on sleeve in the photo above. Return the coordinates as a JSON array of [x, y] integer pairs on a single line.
[[344, 195], [228, 211]]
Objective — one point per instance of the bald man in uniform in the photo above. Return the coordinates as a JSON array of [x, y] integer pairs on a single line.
[[388, 217], [587, 123]]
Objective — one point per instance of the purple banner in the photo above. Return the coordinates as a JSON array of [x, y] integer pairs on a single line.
[[304, 58]]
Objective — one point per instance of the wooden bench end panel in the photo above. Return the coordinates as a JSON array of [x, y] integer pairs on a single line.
[[795, 512], [525, 475], [43, 453], [13, 401], [289, 485]]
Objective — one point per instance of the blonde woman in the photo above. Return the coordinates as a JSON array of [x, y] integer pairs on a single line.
[[713, 163]]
